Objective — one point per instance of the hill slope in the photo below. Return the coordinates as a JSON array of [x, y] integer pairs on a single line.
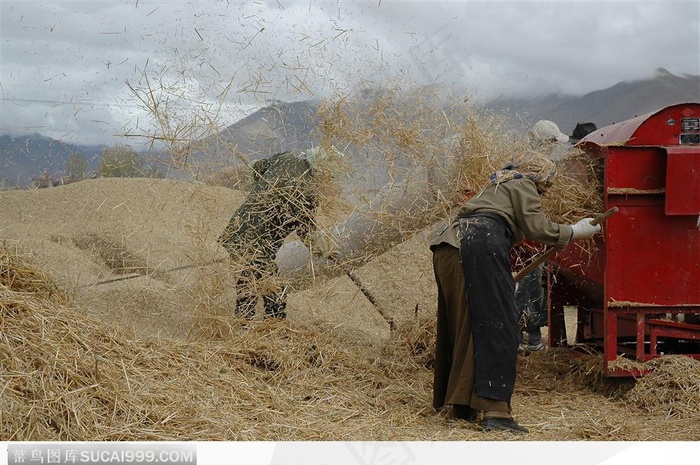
[[618, 103], [626, 100], [25, 157]]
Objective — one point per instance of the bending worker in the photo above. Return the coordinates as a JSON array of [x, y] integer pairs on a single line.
[[477, 319], [283, 200]]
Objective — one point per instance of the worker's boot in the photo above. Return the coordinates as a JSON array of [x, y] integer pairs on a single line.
[[275, 307], [502, 424], [532, 341], [464, 412]]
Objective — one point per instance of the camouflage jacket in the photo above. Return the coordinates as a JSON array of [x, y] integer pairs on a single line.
[[282, 200]]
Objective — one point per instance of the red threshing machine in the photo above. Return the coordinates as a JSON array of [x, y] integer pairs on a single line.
[[638, 292]]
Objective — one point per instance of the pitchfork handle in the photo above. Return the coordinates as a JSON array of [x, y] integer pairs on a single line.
[[600, 218]]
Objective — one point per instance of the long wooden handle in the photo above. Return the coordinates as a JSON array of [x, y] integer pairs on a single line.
[[535, 263], [600, 218], [552, 250], [353, 277], [350, 273]]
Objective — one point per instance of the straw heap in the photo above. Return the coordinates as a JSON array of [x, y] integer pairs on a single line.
[[67, 377]]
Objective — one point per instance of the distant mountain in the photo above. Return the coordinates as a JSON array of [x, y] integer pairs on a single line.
[[620, 102], [25, 157], [292, 126], [276, 128], [284, 126]]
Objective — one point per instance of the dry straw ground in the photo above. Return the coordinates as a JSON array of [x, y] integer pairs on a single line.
[[116, 324], [66, 376]]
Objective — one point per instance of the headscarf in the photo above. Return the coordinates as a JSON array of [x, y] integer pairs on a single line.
[[537, 168]]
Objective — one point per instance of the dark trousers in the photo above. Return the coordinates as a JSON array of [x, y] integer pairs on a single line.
[[531, 301], [251, 284], [454, 369], [485, 247]]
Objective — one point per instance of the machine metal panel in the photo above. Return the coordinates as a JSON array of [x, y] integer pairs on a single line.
[[652, 259], [638, 290], [683, 181], [635, 169]]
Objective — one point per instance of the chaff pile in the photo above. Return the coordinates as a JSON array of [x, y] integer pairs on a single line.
[[115, 255], [671, 389], [66, 377]]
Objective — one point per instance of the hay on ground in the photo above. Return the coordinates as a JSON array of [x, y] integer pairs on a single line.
[[68, 377]]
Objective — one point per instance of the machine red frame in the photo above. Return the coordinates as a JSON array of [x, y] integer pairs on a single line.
[[645, 268]]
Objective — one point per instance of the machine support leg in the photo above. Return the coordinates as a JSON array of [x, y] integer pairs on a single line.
[[610, 341], [641, 326]]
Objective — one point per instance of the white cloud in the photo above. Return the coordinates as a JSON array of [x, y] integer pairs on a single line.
[[65, 65]]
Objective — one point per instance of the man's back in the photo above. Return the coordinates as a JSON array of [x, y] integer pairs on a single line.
[[281, 200]]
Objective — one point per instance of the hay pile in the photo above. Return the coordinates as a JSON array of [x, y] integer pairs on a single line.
[[65, 376], [68, 377], [671, 389]]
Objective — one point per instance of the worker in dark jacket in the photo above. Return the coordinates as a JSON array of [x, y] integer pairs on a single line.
[[530, 294], [477, 320], [582, 130], [283, 200]]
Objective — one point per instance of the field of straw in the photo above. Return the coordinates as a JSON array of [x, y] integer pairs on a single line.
[[116, 323]]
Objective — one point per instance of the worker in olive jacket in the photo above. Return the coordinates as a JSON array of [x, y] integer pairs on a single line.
[[477, 319], [283, 200]]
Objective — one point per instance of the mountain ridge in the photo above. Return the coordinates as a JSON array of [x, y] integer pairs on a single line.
[[283, 126], [617, 103]]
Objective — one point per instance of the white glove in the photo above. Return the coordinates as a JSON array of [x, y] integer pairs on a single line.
[[322, 245], [584, 229]]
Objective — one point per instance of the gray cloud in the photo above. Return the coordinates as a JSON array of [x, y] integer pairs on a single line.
[[66, 65]]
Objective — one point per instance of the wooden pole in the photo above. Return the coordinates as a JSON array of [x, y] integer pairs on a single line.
[[353, 277]]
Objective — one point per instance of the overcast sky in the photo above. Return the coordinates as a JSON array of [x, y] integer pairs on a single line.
[[76, 70]]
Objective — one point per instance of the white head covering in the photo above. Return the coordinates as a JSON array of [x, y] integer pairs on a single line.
[[318, 155], [547, 131]]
